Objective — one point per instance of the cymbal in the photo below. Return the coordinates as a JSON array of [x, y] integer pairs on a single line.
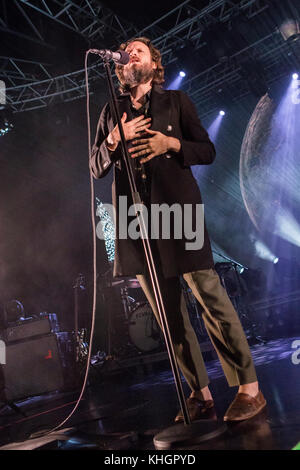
[[129, 283], [133, 283], [116, 283]]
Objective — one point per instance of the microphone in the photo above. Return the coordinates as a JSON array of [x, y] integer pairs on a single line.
[[119, 57]]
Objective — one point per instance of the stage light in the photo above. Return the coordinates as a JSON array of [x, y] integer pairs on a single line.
[[175, 84], [287, 227], [290, 30], [295, 76], [263, 252], [214, 128], [6, 124], [222, 113]]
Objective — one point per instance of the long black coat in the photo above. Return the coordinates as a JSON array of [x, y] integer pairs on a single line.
[[172, 180]]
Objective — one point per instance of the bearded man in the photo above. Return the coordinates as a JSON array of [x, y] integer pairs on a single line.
[[164, 138]]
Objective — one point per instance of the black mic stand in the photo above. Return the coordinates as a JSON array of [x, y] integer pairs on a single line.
[[179, 433]]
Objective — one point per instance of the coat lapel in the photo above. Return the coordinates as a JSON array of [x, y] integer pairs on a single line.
[[161, 108], [124, 105]]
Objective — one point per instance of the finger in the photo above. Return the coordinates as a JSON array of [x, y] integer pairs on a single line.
[[142, 128], [151, 132], [141, 153], [124, 117], [140, 141], [138, 148], [145, 122], [149, 157]]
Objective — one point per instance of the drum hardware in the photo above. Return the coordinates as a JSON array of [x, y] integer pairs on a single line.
[[141, 331], [236, 291], [127, 301], [144, 330], [79, 285]]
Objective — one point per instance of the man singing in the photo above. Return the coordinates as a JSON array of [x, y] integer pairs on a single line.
[[164, 138]]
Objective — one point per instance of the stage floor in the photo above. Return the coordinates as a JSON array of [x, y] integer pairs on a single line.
[[124, 410]]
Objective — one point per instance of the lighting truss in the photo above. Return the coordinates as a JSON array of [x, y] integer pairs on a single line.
[[273, 53], [188, 23], [86, 17], [15, 71]]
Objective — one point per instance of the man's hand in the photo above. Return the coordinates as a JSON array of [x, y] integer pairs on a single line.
[[132, 129], [156, 144]]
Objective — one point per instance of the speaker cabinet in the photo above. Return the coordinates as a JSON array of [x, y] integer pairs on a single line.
[[32, 367]]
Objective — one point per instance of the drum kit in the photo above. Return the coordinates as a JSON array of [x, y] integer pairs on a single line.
[[139, 330], [137, 327]]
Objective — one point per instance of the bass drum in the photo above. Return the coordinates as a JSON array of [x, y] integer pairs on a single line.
[[144, 330]]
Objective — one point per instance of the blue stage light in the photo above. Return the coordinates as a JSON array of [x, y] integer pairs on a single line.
[[222, 113], [295, 76], [182, 73]]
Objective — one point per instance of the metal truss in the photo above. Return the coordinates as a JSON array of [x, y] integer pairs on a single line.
[[15, 71], [86, 17], [40, 94], [188, 25], [275, 56]]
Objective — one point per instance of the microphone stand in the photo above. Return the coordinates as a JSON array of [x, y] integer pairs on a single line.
[[175, 433]]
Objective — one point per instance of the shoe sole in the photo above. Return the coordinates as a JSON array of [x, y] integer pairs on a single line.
[[249, 417]]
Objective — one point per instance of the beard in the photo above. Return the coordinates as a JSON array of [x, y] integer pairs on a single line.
[[138, 74]]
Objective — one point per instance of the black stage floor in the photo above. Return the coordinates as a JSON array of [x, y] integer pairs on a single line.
[[123, 411]]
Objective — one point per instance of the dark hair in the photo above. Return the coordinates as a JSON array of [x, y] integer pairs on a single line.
[[158, 76]]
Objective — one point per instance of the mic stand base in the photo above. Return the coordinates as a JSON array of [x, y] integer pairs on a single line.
[[191, 434]]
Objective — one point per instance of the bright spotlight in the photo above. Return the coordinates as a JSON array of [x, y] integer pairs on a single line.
[[263, 252], [182, 73], [222, 113], [295, 76], [275, 260]]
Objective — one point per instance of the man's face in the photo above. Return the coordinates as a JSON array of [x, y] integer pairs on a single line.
[[140, 68]]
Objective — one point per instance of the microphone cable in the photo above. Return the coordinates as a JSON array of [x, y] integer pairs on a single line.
[[92, 207]]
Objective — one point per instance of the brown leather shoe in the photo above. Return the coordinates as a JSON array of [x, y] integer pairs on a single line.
[[244, 407], [198, 409]]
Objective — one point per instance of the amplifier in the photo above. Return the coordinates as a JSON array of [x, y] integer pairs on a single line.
[[26, 329], [32, 367]]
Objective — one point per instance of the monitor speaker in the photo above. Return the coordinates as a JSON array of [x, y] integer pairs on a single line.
[[32, 367]]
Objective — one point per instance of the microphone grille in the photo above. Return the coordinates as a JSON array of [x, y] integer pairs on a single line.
[[124, 58]]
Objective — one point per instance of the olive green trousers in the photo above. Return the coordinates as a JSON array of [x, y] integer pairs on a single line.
[[221, 321]]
